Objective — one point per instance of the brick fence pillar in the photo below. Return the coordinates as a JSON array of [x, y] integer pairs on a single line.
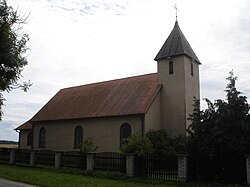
[[130, 169], [32, 158], [12, 156], [183, 167], [90, 161], [58, 160], [248, 169]]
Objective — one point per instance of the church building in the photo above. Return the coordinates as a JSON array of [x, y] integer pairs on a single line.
[[109, 112]]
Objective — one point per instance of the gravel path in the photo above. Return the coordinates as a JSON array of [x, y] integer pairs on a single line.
[[8, 183]]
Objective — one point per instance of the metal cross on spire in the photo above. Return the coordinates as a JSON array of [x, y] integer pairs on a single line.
[[176, 9]]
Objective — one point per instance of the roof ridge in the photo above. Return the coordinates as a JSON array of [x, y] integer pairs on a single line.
[[107, 81]]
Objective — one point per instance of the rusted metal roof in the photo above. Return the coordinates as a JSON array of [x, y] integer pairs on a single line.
[[127, 96], [176, 44], [26, 126]]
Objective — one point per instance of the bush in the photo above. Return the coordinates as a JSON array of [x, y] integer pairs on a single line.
[[88, 146], [140, 145]]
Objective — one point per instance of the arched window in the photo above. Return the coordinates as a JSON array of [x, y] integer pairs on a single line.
[[171, 67], [29, 139], [42, 137], [125, 132], [78, 137]]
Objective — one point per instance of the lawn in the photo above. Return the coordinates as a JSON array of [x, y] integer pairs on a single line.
[[52, 178]]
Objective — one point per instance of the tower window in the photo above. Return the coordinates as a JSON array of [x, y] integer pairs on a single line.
[[192, 69], [171, 67]]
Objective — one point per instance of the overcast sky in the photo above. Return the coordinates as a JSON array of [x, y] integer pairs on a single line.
[[75, 42]]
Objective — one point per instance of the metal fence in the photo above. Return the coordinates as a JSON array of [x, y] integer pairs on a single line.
[[110, 161], [153, 166], [73, 159], [22, 156], [149, 166], [45, 158], [230, 169], [4, 155]]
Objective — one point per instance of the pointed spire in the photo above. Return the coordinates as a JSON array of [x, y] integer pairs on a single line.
[[176, 44]]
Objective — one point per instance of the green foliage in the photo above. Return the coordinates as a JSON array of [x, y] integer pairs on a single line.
[[88, 146], [219, 136], [140, 145], [12, 48], [164, 145], [180, 144], [224, 127]]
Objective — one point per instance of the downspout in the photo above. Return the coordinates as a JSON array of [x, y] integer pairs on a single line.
[[143, 125], [32, 136], [19, 134]]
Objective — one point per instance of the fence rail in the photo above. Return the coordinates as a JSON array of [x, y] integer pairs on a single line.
[[22, 156], [4, 155], [74, 160], [151, 166], [46, 158], [209, 168], [110, 161]]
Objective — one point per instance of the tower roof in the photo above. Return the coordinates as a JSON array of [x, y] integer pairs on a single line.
[[176, 44]]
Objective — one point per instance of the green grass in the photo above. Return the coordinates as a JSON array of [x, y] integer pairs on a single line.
[[52, 178]]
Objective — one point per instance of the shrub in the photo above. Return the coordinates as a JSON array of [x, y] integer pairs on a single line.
[[88, 146], [140, 145], [164, 145]]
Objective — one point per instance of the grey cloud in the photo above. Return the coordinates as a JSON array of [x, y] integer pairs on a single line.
[[7, 130], [17, 109], [212, 84], [89, 7]]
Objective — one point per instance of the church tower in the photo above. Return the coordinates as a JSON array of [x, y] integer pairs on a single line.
[[178, 72]]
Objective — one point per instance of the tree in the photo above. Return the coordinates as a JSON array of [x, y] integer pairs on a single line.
[[164, 145], [224, 125], [221, 133], [12, 48], [140, 145]]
